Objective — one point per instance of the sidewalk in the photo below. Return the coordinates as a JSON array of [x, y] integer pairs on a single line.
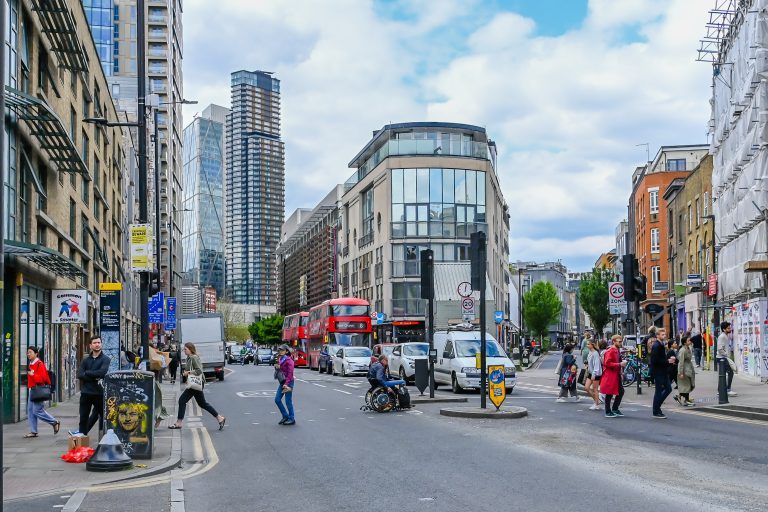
[[751, 393], [33, 467]]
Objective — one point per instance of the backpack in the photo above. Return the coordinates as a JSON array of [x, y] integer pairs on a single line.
[[403, 398], [52, 377]]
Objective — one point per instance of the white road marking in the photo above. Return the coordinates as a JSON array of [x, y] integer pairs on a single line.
[[300, 380], [310, 420], [322, 409], [342, 391], [342, 418], [319, 385], [254, 423]]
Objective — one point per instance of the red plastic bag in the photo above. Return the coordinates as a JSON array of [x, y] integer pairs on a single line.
[[78, 455]]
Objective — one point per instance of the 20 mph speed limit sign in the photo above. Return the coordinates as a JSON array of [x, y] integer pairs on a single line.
[[615, 292]]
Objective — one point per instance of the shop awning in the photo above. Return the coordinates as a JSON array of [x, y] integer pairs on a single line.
[[49, 259], [59, 25], [49, 130]]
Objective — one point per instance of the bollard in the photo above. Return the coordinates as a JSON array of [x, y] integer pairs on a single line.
[[109, 455], [722, 386]]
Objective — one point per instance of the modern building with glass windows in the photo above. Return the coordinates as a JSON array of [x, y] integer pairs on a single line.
[[203, 204], [419, 186], [255, 189], [99, 14]]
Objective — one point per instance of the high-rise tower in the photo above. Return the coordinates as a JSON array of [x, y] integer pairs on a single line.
[[254, 189]]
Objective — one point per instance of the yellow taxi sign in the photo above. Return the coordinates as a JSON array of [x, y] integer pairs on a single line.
[[497, 389]]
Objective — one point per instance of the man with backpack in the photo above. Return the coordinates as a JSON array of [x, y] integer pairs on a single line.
[[660, 364]]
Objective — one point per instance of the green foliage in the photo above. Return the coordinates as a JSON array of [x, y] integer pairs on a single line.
[[593, 295], [541, 308], [267, 331], [236, 333]]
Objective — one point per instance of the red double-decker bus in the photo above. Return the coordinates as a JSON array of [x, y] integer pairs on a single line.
[[344, 321], [295, 335]]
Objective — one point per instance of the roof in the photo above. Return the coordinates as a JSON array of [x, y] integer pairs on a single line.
[[448, 276], [49, 259], [388, 128]]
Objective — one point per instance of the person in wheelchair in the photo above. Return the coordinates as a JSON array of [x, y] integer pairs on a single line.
[[382, 388]]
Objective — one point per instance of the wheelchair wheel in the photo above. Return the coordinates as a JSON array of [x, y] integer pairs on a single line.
[[382, 401]]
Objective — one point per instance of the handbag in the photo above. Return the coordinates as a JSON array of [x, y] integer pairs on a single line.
[[582, 376], [195, 382], [40, 393], [731, 363], [279, 376]]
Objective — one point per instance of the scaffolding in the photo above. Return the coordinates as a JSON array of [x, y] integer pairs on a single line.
[[724, 22]]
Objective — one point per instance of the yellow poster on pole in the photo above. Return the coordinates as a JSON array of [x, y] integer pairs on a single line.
[[497, 389]]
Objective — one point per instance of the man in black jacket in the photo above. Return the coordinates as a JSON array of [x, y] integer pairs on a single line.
[[660, 364], [698, 346], [92, 369]]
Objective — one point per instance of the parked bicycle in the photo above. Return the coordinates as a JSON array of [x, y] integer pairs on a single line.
[[635, 369]]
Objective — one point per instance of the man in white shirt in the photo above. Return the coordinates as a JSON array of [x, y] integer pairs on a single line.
[[723, 353]]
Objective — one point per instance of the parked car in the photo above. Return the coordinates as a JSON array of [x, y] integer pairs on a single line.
[[402, 361], [264, 356], [456, 350], [351, 360], [325, 361]]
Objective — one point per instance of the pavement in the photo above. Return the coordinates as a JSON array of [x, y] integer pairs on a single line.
[[750, 392], [33, 467]]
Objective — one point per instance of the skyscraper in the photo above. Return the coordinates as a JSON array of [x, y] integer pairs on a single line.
[[203, 206], [113, 26], [255, 189]]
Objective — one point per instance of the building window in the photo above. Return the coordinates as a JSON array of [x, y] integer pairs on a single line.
[[72, 218], [86, 191], [706, 204], [698, 212], [690, 218], [653, 195], [655, 242], [655, 276], [676, 164], [84, 232]]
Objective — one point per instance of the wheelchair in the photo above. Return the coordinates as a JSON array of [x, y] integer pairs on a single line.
[[381, 399]]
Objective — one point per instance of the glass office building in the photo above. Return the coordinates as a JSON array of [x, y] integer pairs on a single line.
[[255, 188], [100, 14], [203, 206]]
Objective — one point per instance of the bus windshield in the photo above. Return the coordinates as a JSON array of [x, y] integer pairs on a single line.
[[356, 339], [468, 348], [342, 310]]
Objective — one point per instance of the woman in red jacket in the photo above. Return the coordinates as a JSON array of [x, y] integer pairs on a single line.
[[37, 375], [610, 382]]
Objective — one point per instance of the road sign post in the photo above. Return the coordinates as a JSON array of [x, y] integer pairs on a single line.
[[478, 262]]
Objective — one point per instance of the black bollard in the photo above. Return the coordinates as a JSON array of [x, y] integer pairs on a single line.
[[722, 386], [109, 455]]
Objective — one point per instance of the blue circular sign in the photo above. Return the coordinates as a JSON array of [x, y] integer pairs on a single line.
[[497, 377]]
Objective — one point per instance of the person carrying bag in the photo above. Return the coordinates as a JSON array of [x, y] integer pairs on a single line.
[[39, 391], [193, 371]]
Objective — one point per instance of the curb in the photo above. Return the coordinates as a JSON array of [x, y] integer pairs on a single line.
[[172, 463], [505, 413], [438, 400]]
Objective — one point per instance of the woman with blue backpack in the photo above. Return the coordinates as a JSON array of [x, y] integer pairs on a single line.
[[566, 371]]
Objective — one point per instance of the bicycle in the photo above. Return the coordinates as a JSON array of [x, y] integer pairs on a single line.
[[634, 369]]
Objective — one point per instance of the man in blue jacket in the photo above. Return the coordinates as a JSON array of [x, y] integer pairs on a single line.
[[93, 368]]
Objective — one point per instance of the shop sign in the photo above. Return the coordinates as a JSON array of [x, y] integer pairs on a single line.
[[69, 306]]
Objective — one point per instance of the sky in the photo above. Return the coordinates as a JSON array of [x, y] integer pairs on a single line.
[[570, 90]]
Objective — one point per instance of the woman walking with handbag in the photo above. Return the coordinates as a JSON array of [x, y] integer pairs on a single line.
[[193, 371], [566, 372], [686, 377], [285, 383], [38, 391]]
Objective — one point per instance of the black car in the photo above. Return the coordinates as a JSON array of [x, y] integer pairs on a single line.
[[325, 362], [265, 356]]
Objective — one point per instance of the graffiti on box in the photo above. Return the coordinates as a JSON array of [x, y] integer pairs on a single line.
[[129, 402]]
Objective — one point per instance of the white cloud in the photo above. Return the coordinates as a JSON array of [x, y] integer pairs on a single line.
[[566, 112]]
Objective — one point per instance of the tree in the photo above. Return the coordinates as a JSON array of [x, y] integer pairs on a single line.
[[267, 331], [541, 308], [593, 294], [234, 326]]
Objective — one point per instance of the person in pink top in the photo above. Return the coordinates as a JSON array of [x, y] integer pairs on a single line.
[[286, 381]]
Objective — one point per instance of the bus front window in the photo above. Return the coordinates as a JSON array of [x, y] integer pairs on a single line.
[[355, 339], [342, 310]]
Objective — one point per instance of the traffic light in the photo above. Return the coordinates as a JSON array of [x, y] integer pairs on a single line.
[[639, 285], [427, 274], [629, 269], [478, 258], [154, 283]]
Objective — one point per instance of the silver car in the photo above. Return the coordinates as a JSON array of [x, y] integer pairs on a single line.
[[403, 359]]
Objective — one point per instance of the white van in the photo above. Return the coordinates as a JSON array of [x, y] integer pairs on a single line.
[[456, 365]]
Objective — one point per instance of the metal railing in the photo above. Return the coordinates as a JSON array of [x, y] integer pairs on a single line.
[[436, 229]]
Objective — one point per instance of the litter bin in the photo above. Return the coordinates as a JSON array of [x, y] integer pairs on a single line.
[[129, 405]]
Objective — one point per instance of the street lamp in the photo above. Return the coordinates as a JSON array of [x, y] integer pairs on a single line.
[[254, 134]]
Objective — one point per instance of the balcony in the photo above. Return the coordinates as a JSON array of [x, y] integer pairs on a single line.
[[365, 240], [436, 229], [157, 18], [407, 268], [408, 307]]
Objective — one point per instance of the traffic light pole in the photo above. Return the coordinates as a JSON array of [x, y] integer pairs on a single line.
[[428, 293], [478, 260], [637, 340], [143, 210]]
